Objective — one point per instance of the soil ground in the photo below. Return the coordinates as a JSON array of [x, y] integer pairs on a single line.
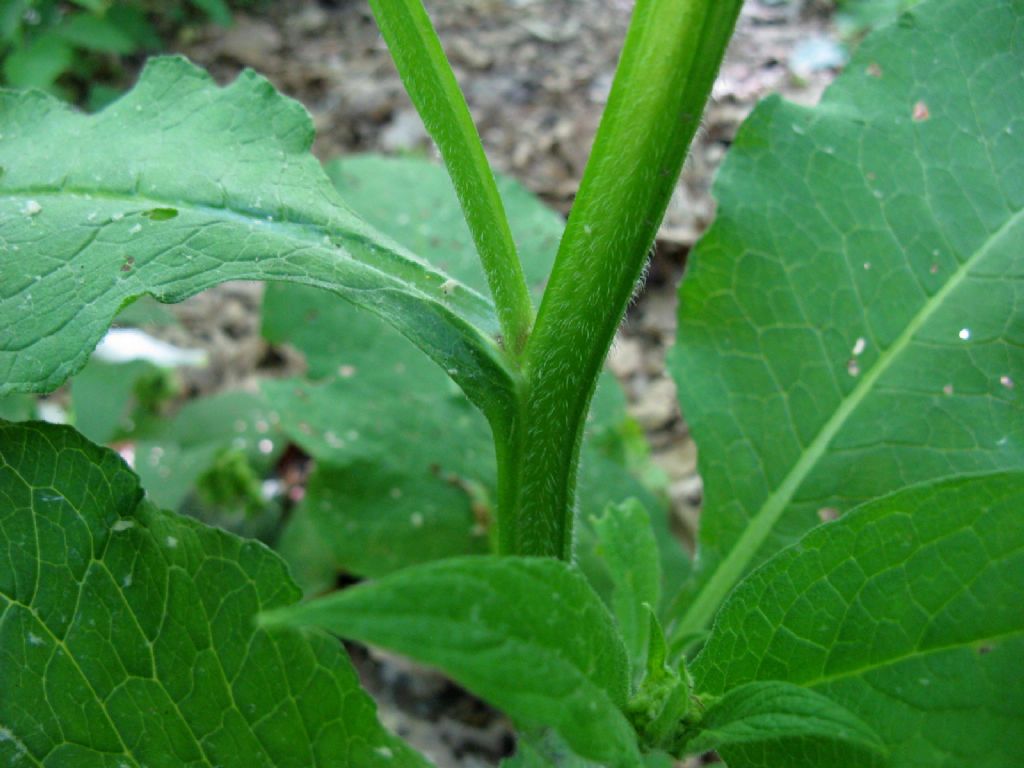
[[536, 75]]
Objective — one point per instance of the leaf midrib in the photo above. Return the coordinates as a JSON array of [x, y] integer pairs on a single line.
[[734, 565], [916, 653], [294, 230]]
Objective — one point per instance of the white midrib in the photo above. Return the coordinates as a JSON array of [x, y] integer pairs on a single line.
[[734, 565]]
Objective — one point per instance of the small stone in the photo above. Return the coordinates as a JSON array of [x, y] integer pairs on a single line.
[[657, 405]]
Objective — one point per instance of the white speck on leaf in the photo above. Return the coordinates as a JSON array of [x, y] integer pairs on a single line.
[[448, 287], [947, 390], [34, 639], [31, 208], [384, 752], [416, 519], [1006, 381], [135, 229], [859, 345], [266, 445], [171, 542], [853, 368], [116, 216], [122, 525], [965, 334]]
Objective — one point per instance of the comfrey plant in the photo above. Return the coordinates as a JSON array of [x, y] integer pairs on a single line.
[[849, 351]]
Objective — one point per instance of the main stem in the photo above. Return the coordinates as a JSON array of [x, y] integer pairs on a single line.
[[672, 53]]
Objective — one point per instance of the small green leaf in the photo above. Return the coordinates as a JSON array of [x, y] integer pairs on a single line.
[[768, 724], [127, 637], [95, 33], [218, 11], [84, 215], [37, 64], [172, 454], [907, 612], [630, 553], [852, 323], [663, 705], [103, 400], [528, 635]]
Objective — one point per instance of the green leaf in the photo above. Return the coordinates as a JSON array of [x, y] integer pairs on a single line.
[[615, 465], [218, 11], [630, 553], [95, 33], [18, 407], [906, 612], [103, 399], [37, 64], [96, 210], [398, 467], [857, 17], [526, 634], [851, 323], [126, 634], [427, 220], [544, 750], [770, 723]]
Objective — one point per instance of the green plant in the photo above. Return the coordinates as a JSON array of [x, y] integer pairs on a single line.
[[73, 49], [849, 348]]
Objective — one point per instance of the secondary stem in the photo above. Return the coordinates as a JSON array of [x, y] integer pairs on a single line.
[[671, 55], [434, 91]]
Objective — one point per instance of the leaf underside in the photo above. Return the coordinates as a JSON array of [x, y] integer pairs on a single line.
[[178, 186], [852, 322], [127, 637]]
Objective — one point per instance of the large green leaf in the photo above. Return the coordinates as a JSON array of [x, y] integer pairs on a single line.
[[180, 185], [852, 323], [126, 633], [526, 634], [907, 612]]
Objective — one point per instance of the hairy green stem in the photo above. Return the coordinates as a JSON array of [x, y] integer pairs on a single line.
[[671, 55], [434, 91]]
